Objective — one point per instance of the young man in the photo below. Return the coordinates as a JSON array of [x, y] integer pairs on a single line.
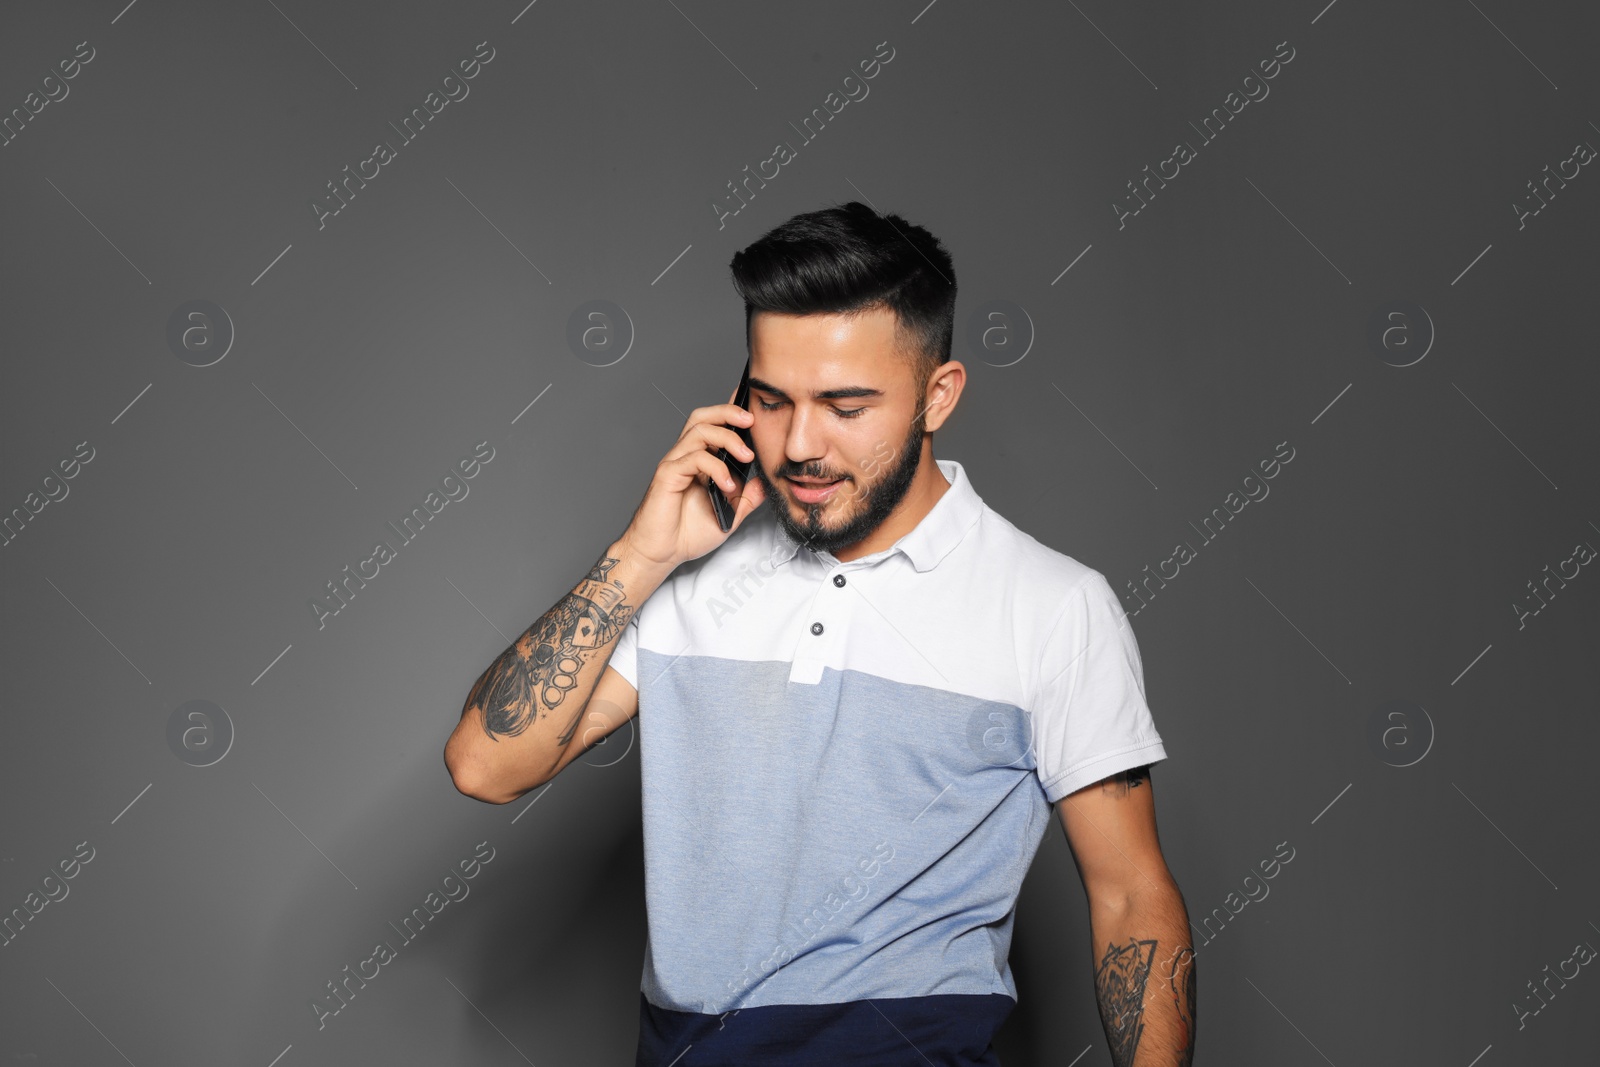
[[857, 709]]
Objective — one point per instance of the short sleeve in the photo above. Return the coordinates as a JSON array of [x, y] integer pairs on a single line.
[[1090, 719], [625, 657]]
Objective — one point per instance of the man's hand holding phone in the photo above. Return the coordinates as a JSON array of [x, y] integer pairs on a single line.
[[675, 522]]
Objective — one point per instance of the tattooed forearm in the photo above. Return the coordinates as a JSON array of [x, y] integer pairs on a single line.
[[1119, 985], [1182, 985], [542, 667]]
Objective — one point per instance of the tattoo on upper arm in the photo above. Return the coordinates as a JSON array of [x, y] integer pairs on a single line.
[[1119, 985], [542, 667], [1122, 782]]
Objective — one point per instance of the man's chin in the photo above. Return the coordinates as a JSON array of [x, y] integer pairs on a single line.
[[816, 534], [830, 514]]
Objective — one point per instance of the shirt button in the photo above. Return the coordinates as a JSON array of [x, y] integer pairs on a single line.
[[838, 579], [816, 627]]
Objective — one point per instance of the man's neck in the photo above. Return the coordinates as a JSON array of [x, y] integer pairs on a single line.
[[927, 486]]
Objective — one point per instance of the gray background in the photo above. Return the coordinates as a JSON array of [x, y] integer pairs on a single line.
[[1177, 351]]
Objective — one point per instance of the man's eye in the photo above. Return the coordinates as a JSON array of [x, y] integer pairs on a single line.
[[841, 412]]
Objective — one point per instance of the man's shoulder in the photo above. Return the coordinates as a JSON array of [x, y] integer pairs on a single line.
[[1029, 562]]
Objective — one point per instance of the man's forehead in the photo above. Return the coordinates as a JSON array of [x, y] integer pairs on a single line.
[[824, 350]]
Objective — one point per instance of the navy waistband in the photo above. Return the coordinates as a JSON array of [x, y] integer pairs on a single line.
[[947, 1030]]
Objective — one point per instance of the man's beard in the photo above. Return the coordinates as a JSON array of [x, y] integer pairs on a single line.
[[880, 500]]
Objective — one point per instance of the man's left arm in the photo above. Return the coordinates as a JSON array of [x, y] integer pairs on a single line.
[[1144, 967]]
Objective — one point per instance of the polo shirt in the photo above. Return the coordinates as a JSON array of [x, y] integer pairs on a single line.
[[847, 769]]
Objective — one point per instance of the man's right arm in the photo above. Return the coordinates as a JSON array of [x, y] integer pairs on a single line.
[[520, 724]]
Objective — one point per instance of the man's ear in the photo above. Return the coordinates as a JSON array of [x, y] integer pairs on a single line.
[[944, 391]]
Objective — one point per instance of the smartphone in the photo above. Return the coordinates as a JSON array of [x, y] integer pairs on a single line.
[[738, 469]]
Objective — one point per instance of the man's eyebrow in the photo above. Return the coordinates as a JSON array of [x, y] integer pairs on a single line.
[[821, 394]]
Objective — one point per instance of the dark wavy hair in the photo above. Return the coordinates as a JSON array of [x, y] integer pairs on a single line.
[[849, 258]]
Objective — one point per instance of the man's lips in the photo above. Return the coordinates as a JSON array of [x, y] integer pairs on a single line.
[[814, 491]]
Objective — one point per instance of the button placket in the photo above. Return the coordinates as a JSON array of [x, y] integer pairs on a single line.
[[817, 628], [811, 656]]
